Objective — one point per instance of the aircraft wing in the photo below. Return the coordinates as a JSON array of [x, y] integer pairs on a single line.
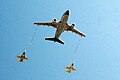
[[78, 32], [18, 56], [46, 24], [67, 67], [73, 68], [68, 28], [26, 59]]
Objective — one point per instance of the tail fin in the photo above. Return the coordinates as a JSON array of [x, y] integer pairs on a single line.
[[55, 40]]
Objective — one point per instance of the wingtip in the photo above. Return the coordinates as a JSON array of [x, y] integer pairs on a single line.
[[83, 35], [36, 24], [17, 57]]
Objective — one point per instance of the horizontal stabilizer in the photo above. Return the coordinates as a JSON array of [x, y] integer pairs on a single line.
[[55, 40]]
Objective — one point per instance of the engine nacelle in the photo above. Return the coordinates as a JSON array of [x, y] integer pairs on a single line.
[[72, 26], [54, 20]]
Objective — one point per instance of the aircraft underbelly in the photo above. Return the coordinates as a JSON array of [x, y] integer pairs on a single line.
[[62, 26], [59, 32]]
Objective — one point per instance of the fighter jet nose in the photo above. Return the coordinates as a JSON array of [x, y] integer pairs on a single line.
[[25, 51], [67, 12]]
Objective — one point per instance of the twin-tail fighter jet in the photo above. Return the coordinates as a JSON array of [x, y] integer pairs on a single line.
[[61, 26], [22, 57], [70, 68]]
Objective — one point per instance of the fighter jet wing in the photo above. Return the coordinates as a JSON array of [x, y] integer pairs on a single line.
[[73, 68], [18, 56], [68, 28], [26, 59], [47, 24], [65, 67]]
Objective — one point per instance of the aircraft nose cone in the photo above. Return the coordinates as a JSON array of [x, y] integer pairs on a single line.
[[67, 12]]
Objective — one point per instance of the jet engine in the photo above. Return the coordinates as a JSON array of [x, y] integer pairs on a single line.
[[72, 26], [54, 20]]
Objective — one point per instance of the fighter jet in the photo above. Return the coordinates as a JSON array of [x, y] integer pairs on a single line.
[[70, 68], [22, 57], [61, 26]]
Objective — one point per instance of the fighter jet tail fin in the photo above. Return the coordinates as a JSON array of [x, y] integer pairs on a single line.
[[55, 40]]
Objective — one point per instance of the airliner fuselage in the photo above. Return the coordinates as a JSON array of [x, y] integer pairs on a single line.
[[62, 24]]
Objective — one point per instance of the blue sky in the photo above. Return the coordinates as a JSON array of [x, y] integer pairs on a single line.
[[97, 57]]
